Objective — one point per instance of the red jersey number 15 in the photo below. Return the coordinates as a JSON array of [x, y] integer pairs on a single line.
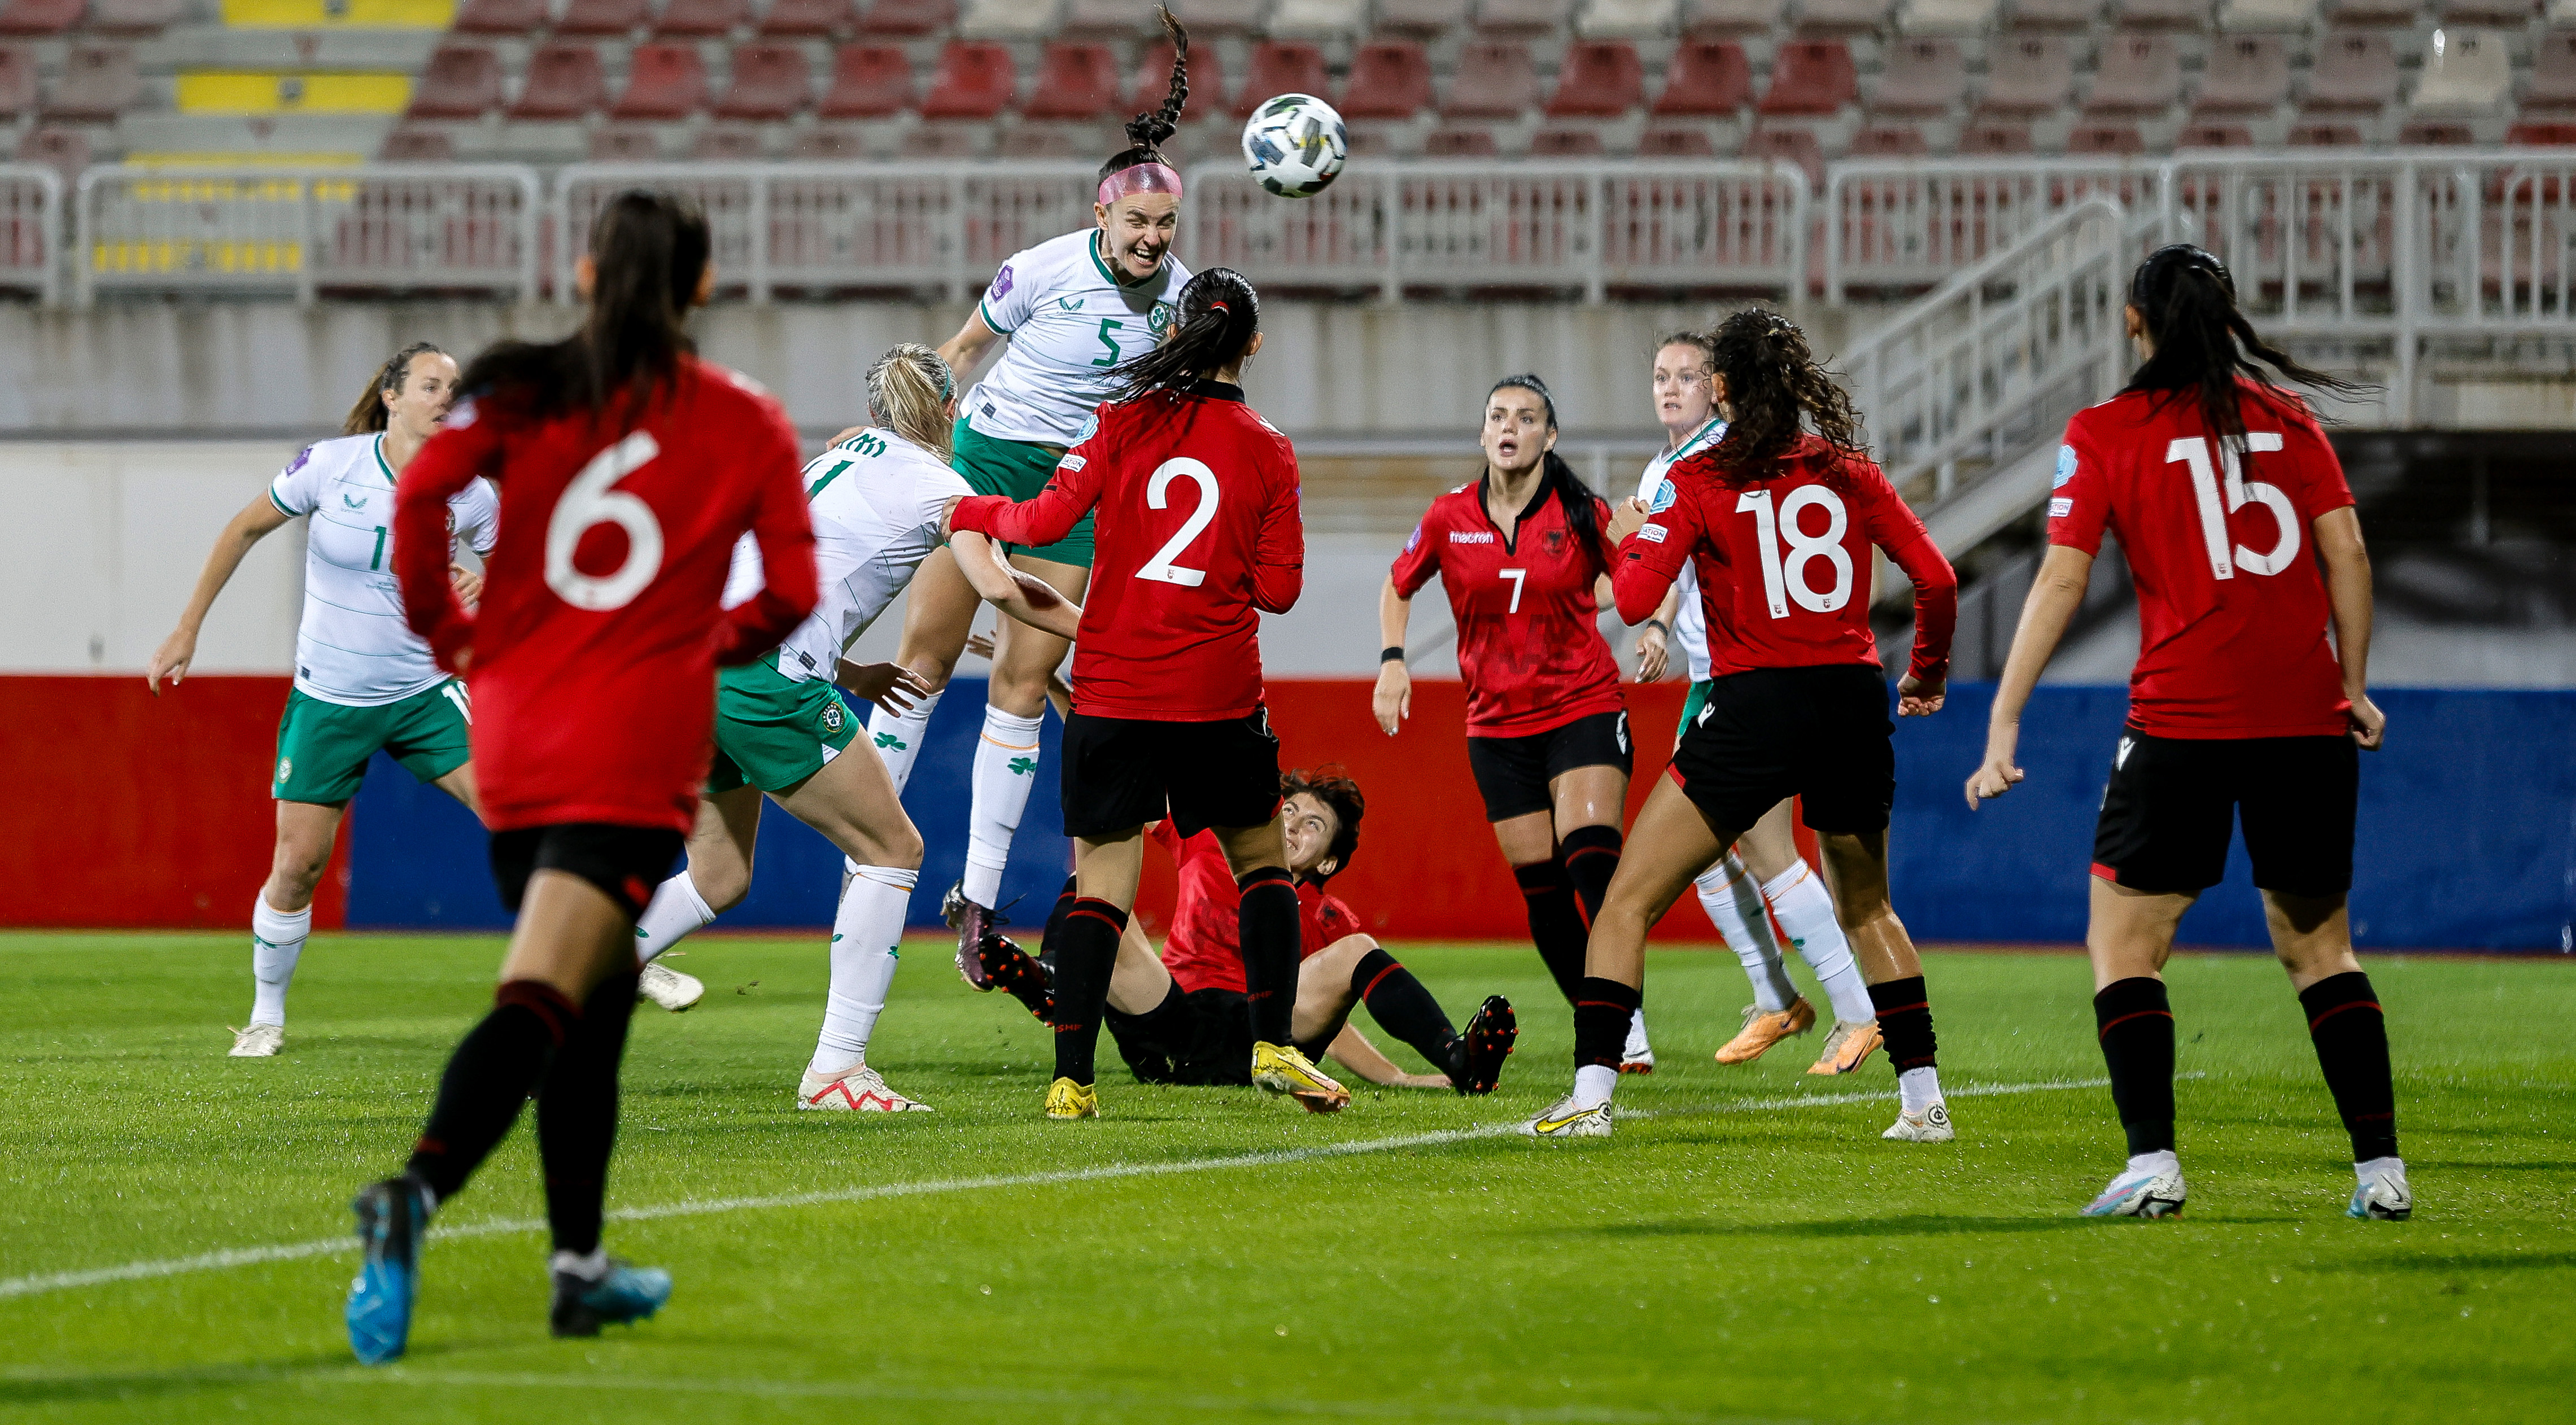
[[1785, 578], [1157, 489], [2225, 555]]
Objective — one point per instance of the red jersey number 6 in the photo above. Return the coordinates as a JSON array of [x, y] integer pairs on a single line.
[[588, 501], [1161, 567]]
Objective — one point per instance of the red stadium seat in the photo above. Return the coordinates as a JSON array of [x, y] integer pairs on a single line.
[[1889, 141], [1278, 67], [2436, 133], [1075, 81], [808, 19], [140, 18], [1706, 79], [2137, 74], [2247, 74], [840, 145], [1207, 80], [2553, 72], [2355, 74], [908, 17], [2163, 14], [1523, 19], [40, 17], [65, 151], [17, 82], [417, 146], [500, 17], [2214, 136], [1566, 143], [2512, 13], [1425, 18], [624, 143], [1811, 77], [770, 81], [565, 81], [460, 82], [975, 80], [1599, 79], [1675, 141], [727, 143], [2553, 134], [1798, 146], [702, 17], [99, 82], [2120, 139], [2319, 135], [868, 82], [1923, 78], [1493, 81], [1389, 79], [1994, 138], [603, 17], [1477, 142], [663, 82], [2026, 74]]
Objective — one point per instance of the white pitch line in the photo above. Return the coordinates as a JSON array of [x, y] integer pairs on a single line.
[[328, 1246]]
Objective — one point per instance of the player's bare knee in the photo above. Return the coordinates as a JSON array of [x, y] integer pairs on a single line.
[[721, 887]]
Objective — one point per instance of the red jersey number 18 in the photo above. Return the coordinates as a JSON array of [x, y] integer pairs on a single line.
[[1784, 579], [1161, 566], [588, 501], [2225, 555]]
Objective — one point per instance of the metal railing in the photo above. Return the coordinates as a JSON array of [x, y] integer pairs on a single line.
[[411, 228], [31, 229]]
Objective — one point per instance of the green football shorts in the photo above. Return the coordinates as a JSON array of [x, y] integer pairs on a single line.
[[772, 731], [1690, 709], [1017, 469], [322, 748]]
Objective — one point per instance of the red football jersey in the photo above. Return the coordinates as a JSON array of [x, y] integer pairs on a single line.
[[1784, 562], [2232, 611], [1529, 637], [599, 632], [1205, 950], [1198, 535]]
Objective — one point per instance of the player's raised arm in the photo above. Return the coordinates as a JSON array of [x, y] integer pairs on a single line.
[[784, 529], [468, 445], [1031, 600], [1069, 495], [1653, 546]]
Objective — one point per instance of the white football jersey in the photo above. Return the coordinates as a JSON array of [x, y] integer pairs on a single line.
[[1690, 626], [1070, 323], [353, 647], [876, 499]]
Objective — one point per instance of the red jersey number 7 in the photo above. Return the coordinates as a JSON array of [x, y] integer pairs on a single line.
[[1161, 567]]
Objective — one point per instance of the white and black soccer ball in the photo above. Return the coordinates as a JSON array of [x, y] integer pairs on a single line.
[[1296, 145]]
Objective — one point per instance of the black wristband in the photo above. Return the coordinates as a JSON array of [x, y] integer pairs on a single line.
[[1390, 655], [1657, 625]]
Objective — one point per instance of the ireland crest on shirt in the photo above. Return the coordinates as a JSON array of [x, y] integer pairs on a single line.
[[1159, 319]]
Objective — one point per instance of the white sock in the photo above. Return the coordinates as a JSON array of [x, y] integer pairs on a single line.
[[676, 910], [866, 933], [2371, 1171], [1593, 1083], [590, 1268], [1918, 1089], [2160, 1161], [1734, 906], [897, 737], [276, 943], [1006, 766], [1798, 897]]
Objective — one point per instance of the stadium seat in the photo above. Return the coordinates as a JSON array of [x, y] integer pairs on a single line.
[[137, 18], [2121, 140], [1796, 145], [460, 82], [2136, 74], [1389, 79], [2465, 72], [1675, 141], [975, 80], [17, 82], [1599, 79], [770, 81], [1318, 19], [624, 143], [1278, 67], [2322, 135], [2354, 73], [1811, 77], [826, 142], [564, 82], [1475, 141], [908, 17], [1566, 143], [500, 17], [1109, 19], [2247, 74], [1994, 138], [2236, 16], [40, 17], [1628, 19], [1423, 18], [65, 151], [98, 82], [1007, 19], [2506, 14], [1710, 19], [1522, 19], [2161, 14], [2389, 14], [1075, 81], [1920, 77], [868, 82], [2214, 136], [662, 82], [2026, 74], [2553, 73], [702, 18], [1207, 80], [808, 19], [2559, 13], [2542, 135], [1889, 141], [1946, 17], [417, 146], [603, 17], [1706, 79], [1492, 81], [2435, 133], [1840, 17], [728, 143], [2055, 14]]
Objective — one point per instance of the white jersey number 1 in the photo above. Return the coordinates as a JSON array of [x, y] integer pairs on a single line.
[[589, 501], [1161, 567]]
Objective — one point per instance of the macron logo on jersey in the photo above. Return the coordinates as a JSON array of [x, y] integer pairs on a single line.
[[1471, 536]]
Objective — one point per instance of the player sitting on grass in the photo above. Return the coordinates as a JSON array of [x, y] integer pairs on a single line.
[[1182, 1018]]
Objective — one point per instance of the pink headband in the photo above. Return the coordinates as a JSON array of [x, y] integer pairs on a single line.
[[1143, 178]]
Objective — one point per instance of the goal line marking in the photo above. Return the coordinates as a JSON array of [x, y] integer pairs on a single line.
[[41, 1283]]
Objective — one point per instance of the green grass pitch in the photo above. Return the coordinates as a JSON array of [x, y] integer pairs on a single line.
[[1745, 1249]]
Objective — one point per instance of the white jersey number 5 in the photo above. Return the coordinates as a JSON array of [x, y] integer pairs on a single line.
[[1786, 579], [589, 501], [1161, 566], [2225, 555]]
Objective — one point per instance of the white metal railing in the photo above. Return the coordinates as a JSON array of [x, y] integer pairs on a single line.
[[411, 227], [1906, 224], [31, 230]]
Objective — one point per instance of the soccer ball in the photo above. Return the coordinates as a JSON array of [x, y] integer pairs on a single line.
[[1296, 145]]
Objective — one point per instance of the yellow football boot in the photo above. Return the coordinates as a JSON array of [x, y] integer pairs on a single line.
[[1847, 1048], [1287, 1070], [1764, 1028], [1068, 1100]]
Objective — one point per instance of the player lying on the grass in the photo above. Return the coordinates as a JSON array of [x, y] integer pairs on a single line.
[[1198, 530], [782, 730], [2238, 704], [1762, 875], [1182, 1018], [1797, 705], [363, 680], [593, 659]]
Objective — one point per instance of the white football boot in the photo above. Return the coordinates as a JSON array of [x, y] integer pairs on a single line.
[[668, 987], [1565, 1120], [2155, 1190], [2383, 1195], [856, 1089], [1932, 1125], [260, 1041]]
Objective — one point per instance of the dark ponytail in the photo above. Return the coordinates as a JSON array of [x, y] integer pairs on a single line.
[[1774, 386], [2187, 300], [1555, 476], [1146, 131], [1220, 315], [369, 415], [649, 250]]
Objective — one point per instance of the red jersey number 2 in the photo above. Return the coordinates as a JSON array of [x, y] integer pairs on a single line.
[[589, 502], [1157, 493], [1784, 576], [2225, 555]]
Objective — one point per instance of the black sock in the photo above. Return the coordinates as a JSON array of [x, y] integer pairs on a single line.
[[577, 1115], [1086, 950], [1590, 855], [1556, 923], [488, 1078], [2352, 1047], [1904, 1023], [2137, 1028], [1602, 1009], [1046, 939], [1402, 1007], [1269, 932]]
